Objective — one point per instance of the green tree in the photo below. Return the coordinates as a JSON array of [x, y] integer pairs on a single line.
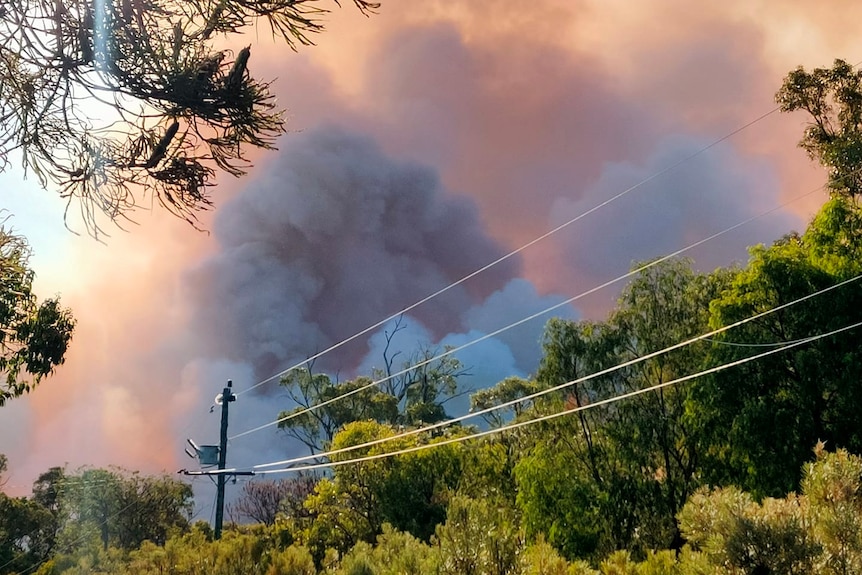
[[110, 102], [123, 509], [409, 491], [663, 306], [833, 99], [758, 418], [25, 534], [507, 392], [413, 395], [317, 426], [488, 467], [46, 493], [34, 336], [615, 477], [421, 384], [46, 488]]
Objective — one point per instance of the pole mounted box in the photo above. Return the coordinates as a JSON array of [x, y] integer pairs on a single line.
[[208, 455]]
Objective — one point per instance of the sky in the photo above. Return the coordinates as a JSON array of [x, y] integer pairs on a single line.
[[423, 142]]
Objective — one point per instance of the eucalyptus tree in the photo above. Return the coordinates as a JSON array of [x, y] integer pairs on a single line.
[[34, 335], [615, 476]]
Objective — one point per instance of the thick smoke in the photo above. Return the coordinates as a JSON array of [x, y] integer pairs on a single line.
[[329, 240], [703, 196], [536, 115], [487, 359]]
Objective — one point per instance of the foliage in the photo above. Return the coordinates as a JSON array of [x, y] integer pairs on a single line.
[[25, 533], [541, 558], [256, 551], [33, 336], [422, 383], [560, 504], [316, 427], [833, 488], [411, 396], [393, 553], [294, 560], [47, 487], [488, 468], [409, 491], [480, 537], [615, 477], [109, 100], [122, 509], [759, 419], [833, 99], [736, 532], [399, 553], [508, 391], [815, 532]]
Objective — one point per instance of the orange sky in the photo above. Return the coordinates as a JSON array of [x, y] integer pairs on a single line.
[[530, 112]]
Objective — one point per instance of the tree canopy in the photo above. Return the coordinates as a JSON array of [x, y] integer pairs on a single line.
[[34, 336], [413, 395], [832, 97]]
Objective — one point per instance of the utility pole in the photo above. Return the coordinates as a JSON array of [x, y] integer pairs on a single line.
[[226, 397], [209, 455]]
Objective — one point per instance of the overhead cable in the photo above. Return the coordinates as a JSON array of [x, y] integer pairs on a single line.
[[513, 252], [704, 337], [548, 417], [545, 311]]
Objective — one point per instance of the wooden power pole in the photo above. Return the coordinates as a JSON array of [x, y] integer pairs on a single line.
[[226, 397], [206, 455]]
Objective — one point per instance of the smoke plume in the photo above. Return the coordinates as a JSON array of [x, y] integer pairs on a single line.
[[329, 240]]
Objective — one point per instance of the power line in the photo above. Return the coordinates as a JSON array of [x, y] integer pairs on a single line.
[[548, 417], [707, 336], [741, 344], [515, 251], [545, 311], [704, 337]]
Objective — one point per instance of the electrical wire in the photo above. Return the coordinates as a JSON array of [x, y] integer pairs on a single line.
[[516, 251], [545, 311], [519, 424], [704, 337], [740, 344]]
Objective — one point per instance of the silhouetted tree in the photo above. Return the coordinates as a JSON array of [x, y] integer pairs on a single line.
[[111, 101]]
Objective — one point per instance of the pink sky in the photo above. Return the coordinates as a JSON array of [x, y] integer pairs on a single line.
[[535, 114]]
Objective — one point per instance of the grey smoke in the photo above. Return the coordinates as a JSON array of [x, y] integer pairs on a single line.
[[329, 239], [705, 195]]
